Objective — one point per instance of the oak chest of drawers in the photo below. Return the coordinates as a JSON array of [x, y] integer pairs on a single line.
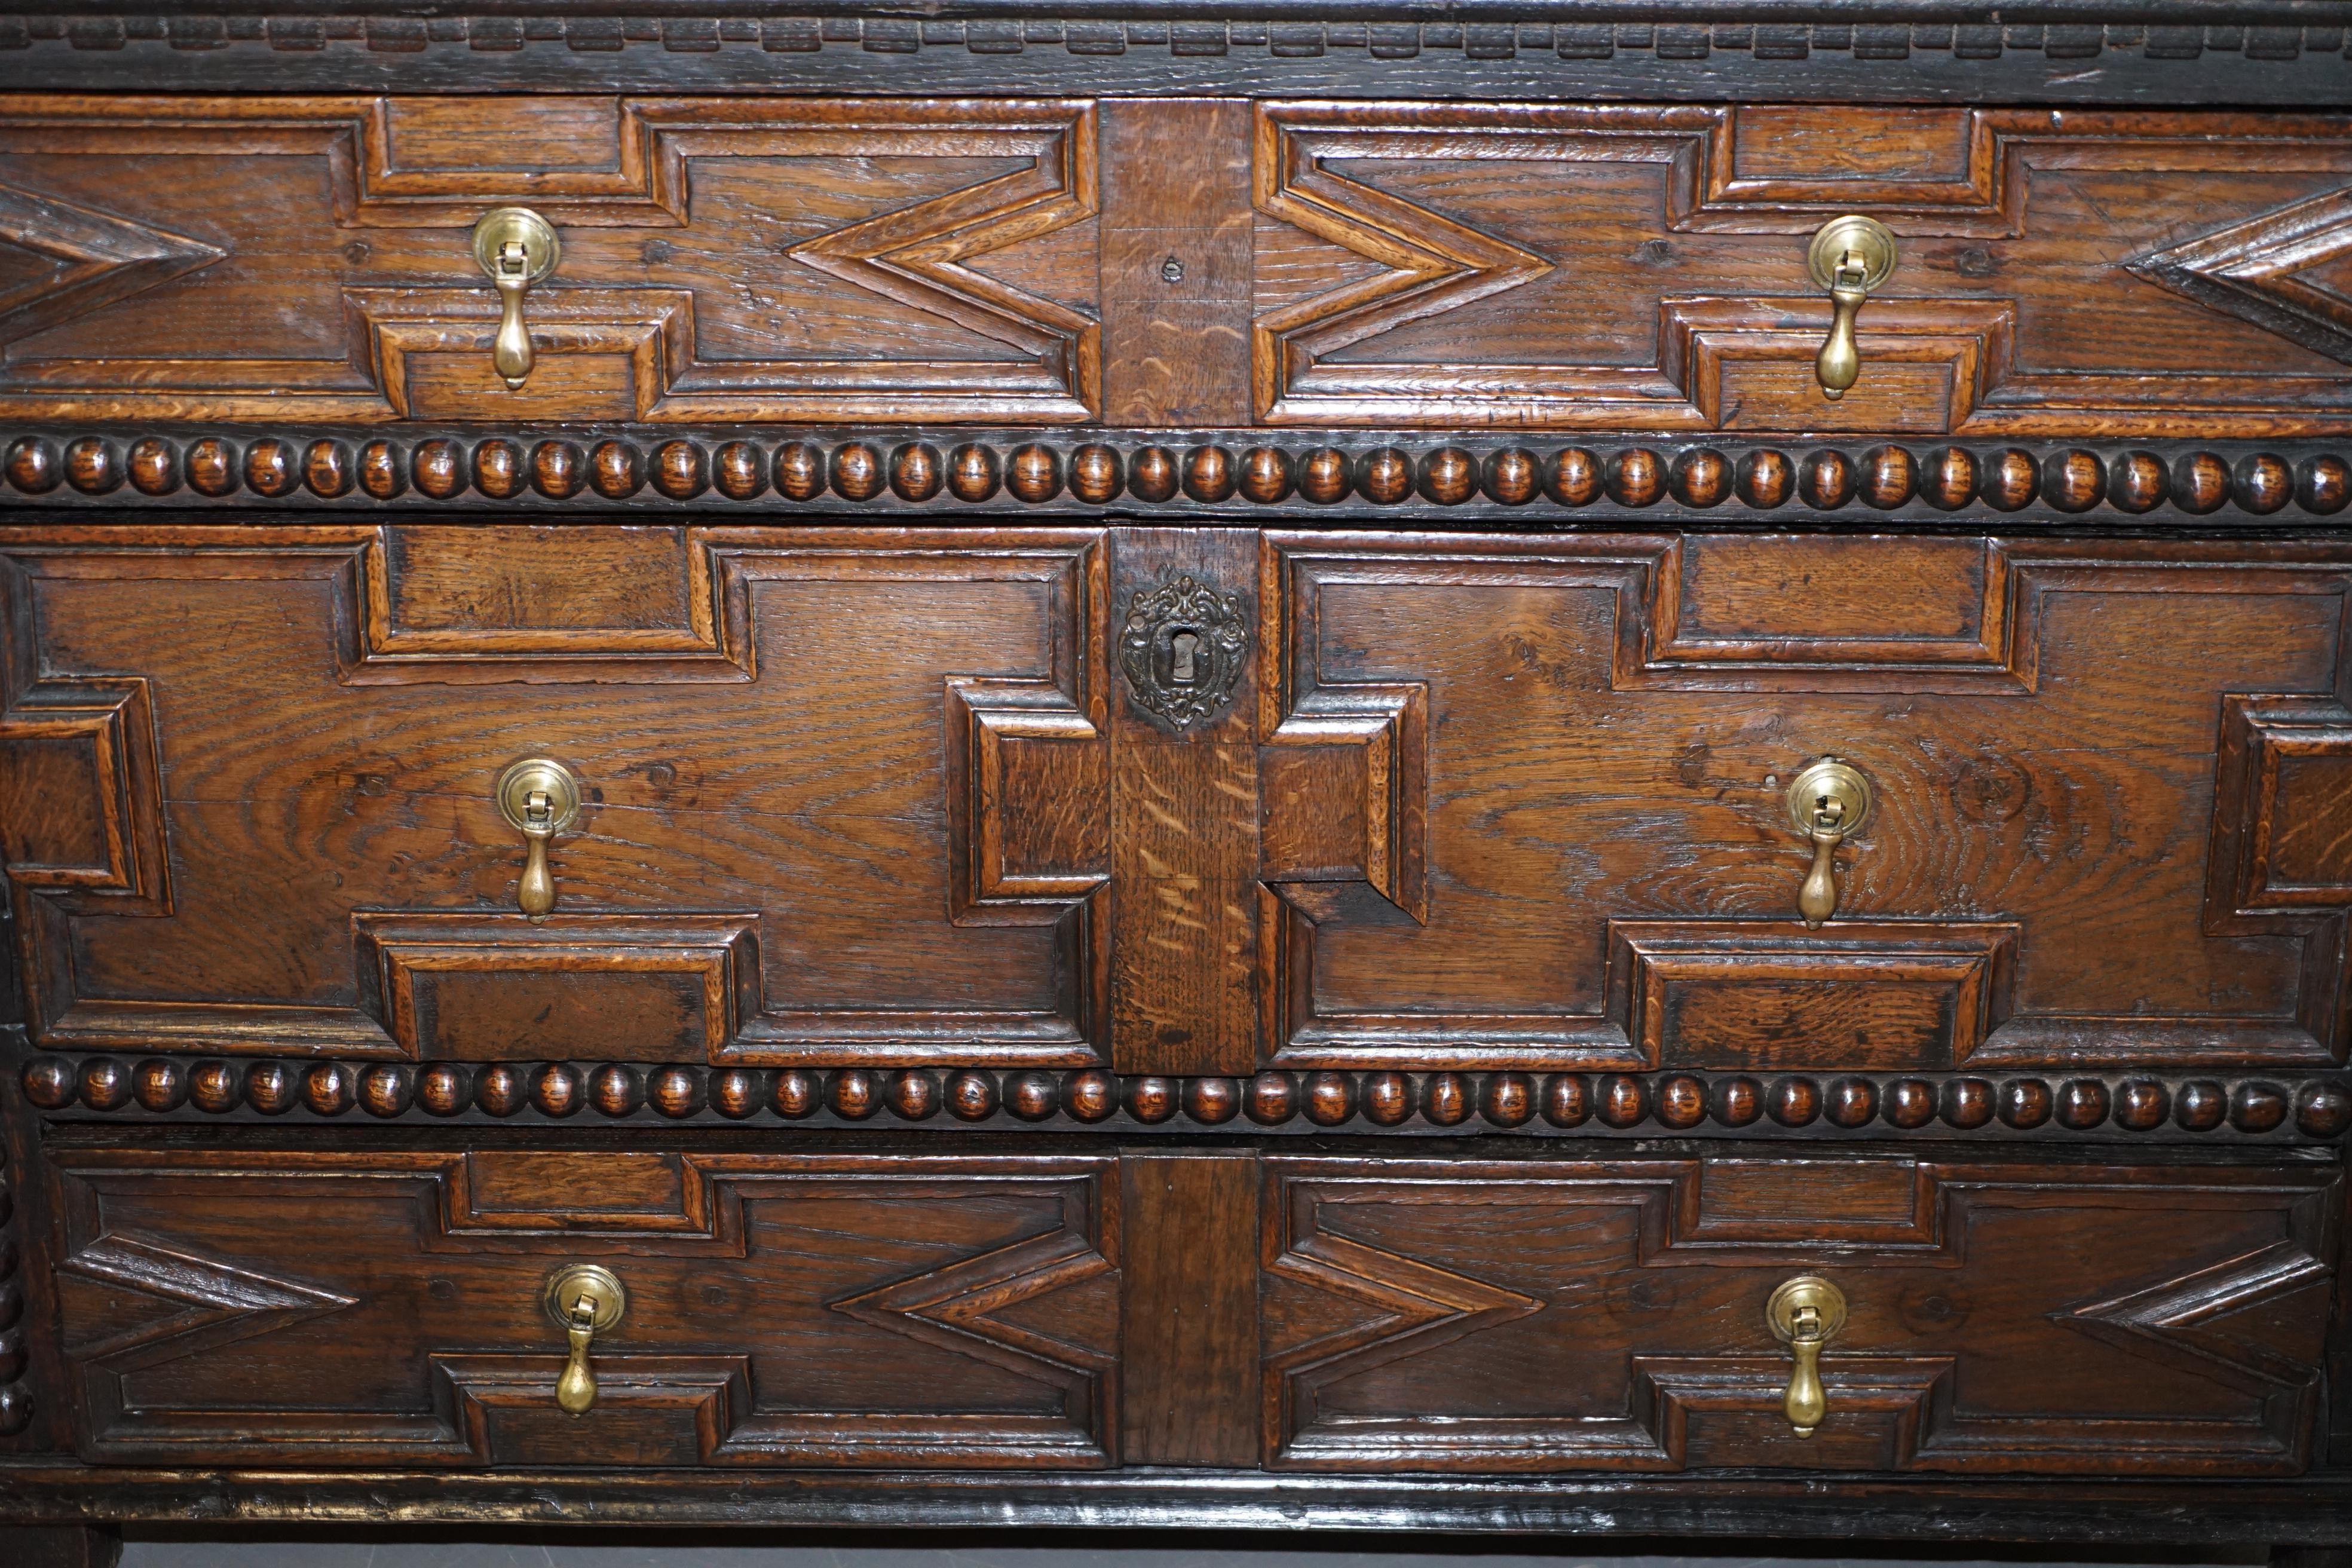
[[1537, 772]]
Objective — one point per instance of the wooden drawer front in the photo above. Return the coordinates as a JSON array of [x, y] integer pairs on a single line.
[[844, 794], [1527, 803], [385, 1309], [1421, 1316]]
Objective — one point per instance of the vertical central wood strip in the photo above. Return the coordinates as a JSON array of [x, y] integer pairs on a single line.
[[1189, 1260], [1184, 828]]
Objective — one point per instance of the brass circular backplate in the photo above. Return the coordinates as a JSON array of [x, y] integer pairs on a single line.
[[1826, 1299], [554, 780], [1838, 781], [1870, 240], [502, 223], [567, 1285]]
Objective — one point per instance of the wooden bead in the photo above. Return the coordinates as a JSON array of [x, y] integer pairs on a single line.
[[1508, 1098], [914, 1095], [1153, 476], [2137, 482], [49, 1082], [739, 471], [680, 470], [154, 467], [386, 1089], [674, 1091], [2323, 486], [383, 472], [2025, 1102], [2323, 1109], [615, 471], [2074, 480], [2142, 1105], [1212, 1102], [1209, 474], [970, 1097], [1567, 1100], [1329, 1098], [16, 1409], [1681, 1102], [616, 1089], [1701, 478], [327, 469], [33, 465], [105, 1084], [1571, 476], [444, 1089], [1032, 1096], [1095, 474], [272, 1088], [558, 1091], [1323, 475], [159, 1084], [1265, 475], [2262, 484], [216, 1087], [436, 467], [1511, 477], [1910, 1102], [1625, 1099], [854, 1094], [2082, 1104], [798, 471], [271, 468], [1635, 477], [974, 473], [1152, 1099], [1384, 477], [1947, 480], [855, 471], [498, 471], [1388, 1099], [559, 471], [799, 1093], [1966, 1103], [1271, 1099], [2202, 1105], [1736, 1101], [1888, 477], [92, 465], [1794, 1102], [1765, 479], [1850, 1102], [500, 1089], [1445, 1099], [1449, 476], [2258, 1107], [1090, 1096], [2011, 480], [330, 1089], [211, 467], [1034, 474], [2200, 483], [916, 473], [1825, 481]]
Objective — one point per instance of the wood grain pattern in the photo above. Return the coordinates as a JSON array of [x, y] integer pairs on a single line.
[[1192, 1304]]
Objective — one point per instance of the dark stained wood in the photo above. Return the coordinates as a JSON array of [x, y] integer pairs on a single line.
[[61, 1546], [1189, 1333]]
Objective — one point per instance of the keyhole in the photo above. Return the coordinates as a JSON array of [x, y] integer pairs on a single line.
[[1183, 649], [1171, 271]]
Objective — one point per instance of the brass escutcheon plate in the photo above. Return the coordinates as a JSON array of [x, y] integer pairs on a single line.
[[552, 778], [566, 1286], [1839, 780], [1866, 237], [502, 223], [1805, 1290]]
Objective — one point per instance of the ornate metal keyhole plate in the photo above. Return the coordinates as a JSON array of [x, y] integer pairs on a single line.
[[1182, 647]]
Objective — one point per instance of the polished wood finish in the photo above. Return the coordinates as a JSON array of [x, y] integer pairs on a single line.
[[1192, 1297]]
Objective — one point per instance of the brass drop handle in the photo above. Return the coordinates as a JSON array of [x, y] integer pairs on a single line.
[[517, 248], [541, 799], [1828, 803], [1850, 257], [586, 1301], [1805, 1313]]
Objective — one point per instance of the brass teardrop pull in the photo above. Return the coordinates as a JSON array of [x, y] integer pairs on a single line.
[[541, 799], [517, 248], [1850, 257], [1805, 1313], [586, 1301], [1828, 803]]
